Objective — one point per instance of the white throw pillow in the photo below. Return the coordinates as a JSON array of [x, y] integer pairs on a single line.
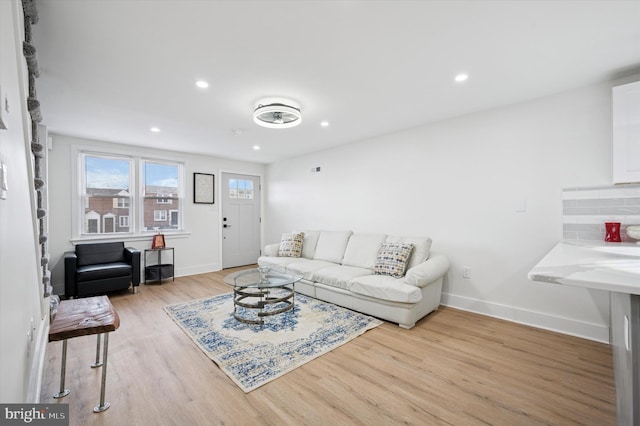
[[392, 259], [291, 245], [421, 248]]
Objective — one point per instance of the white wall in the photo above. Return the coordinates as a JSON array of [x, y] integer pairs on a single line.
[[195, 253], [23, 310], [461, 182]]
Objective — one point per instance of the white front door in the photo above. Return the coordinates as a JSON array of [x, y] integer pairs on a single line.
[[240, 220]]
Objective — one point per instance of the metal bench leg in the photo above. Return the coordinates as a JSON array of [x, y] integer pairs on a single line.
[[103, 405], [97, 363], [63, 392]]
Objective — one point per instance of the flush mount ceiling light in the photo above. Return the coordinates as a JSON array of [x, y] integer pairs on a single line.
[[277, 115]]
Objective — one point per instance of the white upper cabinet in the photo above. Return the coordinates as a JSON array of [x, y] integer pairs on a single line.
[[626, 133]]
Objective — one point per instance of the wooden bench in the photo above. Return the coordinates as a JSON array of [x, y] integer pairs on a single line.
[[82, 317]]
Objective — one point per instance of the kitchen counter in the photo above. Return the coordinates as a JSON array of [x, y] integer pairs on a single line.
[[613, 267], [601, 266]]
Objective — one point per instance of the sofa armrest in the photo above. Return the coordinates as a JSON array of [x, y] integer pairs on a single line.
[[428, 271], [70, 266], [132, 256], [271, 249]]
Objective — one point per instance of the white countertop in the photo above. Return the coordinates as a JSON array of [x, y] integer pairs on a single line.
[[602, 266]]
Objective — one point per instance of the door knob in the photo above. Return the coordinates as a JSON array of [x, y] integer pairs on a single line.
[[226, 226]]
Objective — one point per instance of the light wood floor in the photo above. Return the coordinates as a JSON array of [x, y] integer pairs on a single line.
[[453, 367]]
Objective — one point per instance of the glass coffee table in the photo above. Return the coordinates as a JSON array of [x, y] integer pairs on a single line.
[[262, 293]]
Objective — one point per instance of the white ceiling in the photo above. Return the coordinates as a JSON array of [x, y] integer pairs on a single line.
[[112, 69]]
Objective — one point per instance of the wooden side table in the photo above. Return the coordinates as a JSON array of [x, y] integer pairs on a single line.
[[82, 317]]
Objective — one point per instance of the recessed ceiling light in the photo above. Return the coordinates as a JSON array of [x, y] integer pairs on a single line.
[[256, 147], [461, 77], [324, 123], [202, 84], [154, 130]]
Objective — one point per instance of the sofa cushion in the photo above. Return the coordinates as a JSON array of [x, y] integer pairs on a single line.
[[331, 246], [362, 250], [271, 249], [291, 244], [278, 264], [306, 267], [421, 248], [102, 271], [386, 288], [339, 275], [309, 243], [392, 259], [89, 254]]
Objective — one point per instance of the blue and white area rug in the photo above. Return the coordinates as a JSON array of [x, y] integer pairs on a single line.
[[252, 355]]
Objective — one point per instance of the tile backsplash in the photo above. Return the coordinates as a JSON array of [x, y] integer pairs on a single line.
[[585, 210]]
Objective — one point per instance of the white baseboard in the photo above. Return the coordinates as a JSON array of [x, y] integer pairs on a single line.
[[572, 327], [37, 362]]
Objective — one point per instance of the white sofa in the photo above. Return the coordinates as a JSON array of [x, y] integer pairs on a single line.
[[337, 267]]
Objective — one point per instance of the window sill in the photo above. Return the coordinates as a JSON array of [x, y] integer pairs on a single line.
[[128, 237]]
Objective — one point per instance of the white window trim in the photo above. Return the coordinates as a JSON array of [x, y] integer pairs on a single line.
[[137, 231], [180, 197], [123, 218]]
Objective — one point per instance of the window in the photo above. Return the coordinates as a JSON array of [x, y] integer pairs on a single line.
[[121, 202], [240, 188], [106, 184], [122, 194], [161, 185], [174, 215]]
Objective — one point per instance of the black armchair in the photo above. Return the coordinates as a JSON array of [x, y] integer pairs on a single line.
[[100, 268]]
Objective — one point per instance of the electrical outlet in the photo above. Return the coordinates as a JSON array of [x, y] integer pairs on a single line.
[[466, 272]]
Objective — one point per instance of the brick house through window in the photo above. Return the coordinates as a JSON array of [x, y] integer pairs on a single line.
[[102, 208]]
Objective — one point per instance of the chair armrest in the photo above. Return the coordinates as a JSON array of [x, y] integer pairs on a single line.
[[271, 249], [428, 271], [132, 256], [70, 266]]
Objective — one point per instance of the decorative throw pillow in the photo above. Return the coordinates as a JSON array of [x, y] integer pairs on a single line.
[[291, 244], [392, 259]]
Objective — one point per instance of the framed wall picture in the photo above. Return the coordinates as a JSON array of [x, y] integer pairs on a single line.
[[158, 242], [203, 188]]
